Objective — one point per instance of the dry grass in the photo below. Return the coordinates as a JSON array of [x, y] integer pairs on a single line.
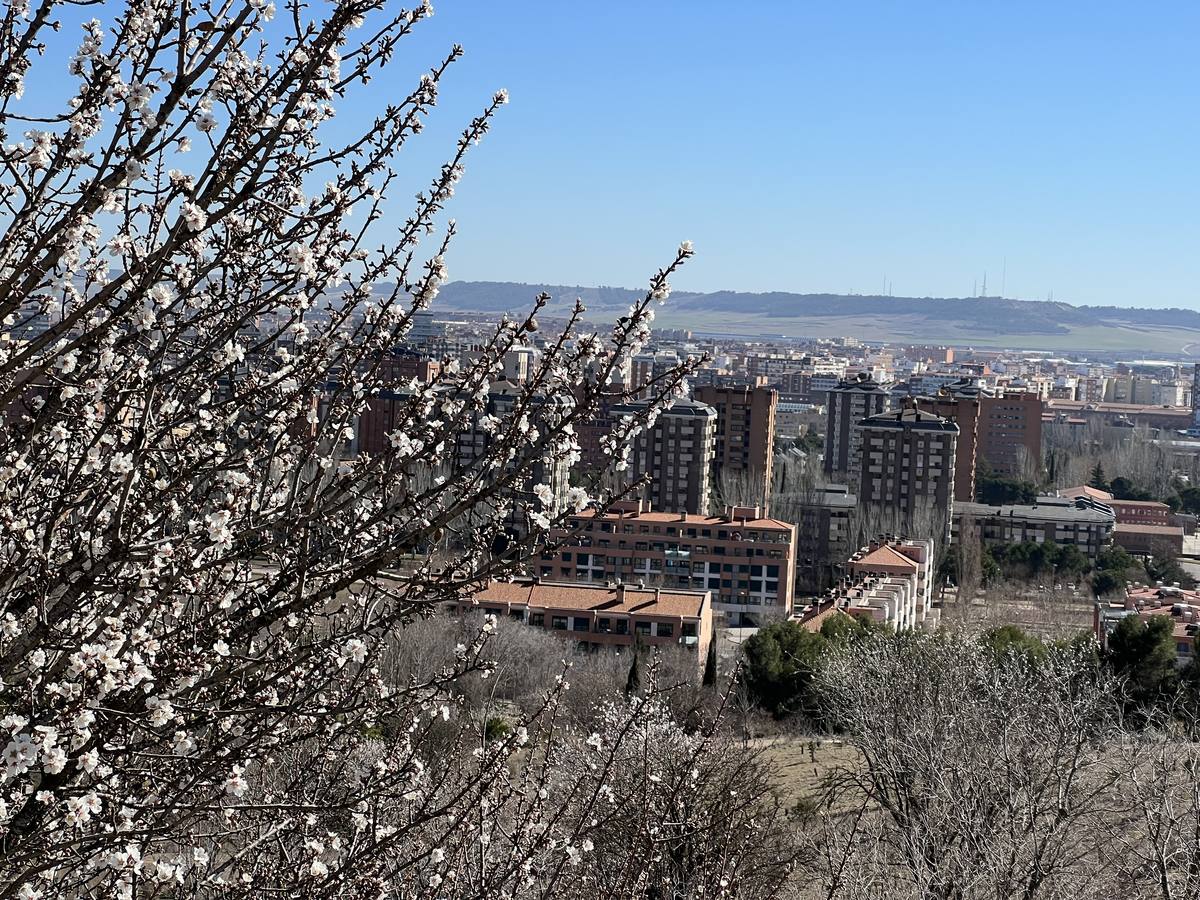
[[1051, 614], [801, 765]]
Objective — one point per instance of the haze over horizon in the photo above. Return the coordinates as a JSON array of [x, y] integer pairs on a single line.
[[895, 295], [863, 148]]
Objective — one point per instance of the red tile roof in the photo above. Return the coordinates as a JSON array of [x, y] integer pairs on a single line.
[[580, 597], [885, 555]]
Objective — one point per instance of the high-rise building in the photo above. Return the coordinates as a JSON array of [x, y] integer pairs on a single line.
[[849, 402], [963, 409], [1010, 433], [646, 367], [1000, 433], [676, 455], [473, 443], [906, 468], [745, 435], [387, 406]]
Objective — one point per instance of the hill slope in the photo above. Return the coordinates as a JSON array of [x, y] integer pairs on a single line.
[[991, 321]]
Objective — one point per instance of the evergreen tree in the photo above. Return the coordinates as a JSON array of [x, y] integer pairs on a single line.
[[634, 682], [1098, 481], [710, 665], [1141, 650]]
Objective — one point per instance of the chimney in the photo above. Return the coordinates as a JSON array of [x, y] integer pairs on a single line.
[[620, 592]]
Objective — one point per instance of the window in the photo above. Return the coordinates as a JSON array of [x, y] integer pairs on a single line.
[[665, 630], [641, 627], [582, 623], [537, 619], [688, 629], [558, 623], [604, 625]]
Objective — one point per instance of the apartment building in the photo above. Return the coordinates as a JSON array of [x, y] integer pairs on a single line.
[[906, 465], [1170, 418], [599, 616], [745, 434], [1000, 431], [1009, 432], [472, 442], [1149, 540], [676, 455], [518, 364], [386, 407], [823, 518], [889, 582], [1082, 521], [426, 332], [646, 367], [807, 385], [770, 365], [795, 418], [1141, 526], [964, 411], [892, 582], [1140, 512], [746, 560], [851, 401]]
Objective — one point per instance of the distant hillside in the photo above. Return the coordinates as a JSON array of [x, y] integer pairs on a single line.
[[997, 321]]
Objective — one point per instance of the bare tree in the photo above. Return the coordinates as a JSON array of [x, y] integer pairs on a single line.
[[981, 775], [1156, 818]]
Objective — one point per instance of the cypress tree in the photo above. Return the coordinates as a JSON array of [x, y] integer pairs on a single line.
[[710, 665], [634, 682]]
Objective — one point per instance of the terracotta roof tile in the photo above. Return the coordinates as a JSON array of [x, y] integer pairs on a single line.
[[599, 597], [885, 555]]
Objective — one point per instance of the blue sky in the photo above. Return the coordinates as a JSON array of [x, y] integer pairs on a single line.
[[829, 146], [810, 147]]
